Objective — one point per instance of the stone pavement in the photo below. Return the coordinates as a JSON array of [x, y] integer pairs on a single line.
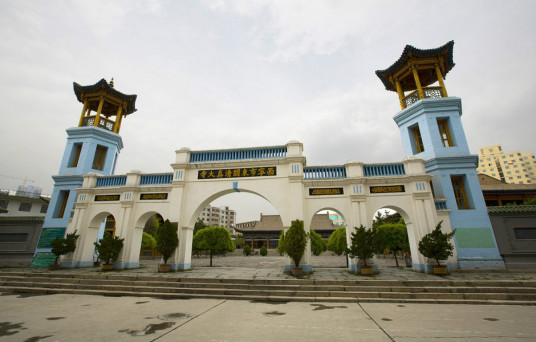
[[65, 317]]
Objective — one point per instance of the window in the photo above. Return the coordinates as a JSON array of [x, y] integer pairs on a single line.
[[13, 237], [459, 192], [75, 155], [44, 208], [4, 203], [62, 203], [418, 145], [525, 233], [25, 206], [109, 226], [100, 155]]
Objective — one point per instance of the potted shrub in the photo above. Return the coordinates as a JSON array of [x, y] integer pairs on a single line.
[[167, 241], [436, 245], [109, 248], [362, 247], [62, 246], [295, 244], [247, 250], [263, 251]]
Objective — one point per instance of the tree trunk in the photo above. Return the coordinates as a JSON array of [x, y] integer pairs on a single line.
[[210, 258], [396, 260]]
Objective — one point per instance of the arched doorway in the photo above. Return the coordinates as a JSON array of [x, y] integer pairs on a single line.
[[329, 251], [251, 221], [392, 235]]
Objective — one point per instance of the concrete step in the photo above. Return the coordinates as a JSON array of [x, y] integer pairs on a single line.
[[482, 292], [263, 287]]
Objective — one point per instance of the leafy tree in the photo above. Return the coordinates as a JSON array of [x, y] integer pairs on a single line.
[[281, 244], [147, 242], [167, 240], [394, 237], [199, 224], [318, 245], [263, 251], [109, 248], [239, 242], [151, 227], [436, 245], [247, 250], [62, 246], [531, 201], [337, 242], [215, 240], [362, 244], [296, 241]]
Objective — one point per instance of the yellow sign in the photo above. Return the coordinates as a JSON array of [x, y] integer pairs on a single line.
[[238, 173], [159, 196], [386, 189], [107, 198], [325, 191]]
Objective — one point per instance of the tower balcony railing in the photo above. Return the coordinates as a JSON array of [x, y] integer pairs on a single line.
[[429, 92], [324, 172], [103, 122], [440, 203]]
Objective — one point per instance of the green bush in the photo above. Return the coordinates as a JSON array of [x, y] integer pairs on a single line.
[[318, 245], [296, 241], [436, 245], [147, 242], [362, 244], [109, 248], [263, 251], [247, 250], [281, 244], [62, 246], [167, 240]]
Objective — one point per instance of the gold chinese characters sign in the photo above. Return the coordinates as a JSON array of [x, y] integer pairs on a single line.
[[107, 198], [238, 173], [150, 197], [387, 189], [325, 191]]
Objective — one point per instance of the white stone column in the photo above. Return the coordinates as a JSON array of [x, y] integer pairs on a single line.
[[182, 258]]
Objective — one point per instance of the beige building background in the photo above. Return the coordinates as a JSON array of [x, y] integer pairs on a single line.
[[513, 167]]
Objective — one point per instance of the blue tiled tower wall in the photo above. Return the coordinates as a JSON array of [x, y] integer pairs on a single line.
[[70, 178], [474, 239]]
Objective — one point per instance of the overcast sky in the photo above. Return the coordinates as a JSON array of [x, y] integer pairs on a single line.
[[225, 74]]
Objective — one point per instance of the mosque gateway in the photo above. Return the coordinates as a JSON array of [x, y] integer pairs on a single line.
[[437, 157]]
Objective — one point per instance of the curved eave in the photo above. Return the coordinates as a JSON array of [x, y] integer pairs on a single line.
[[79, 90], [445, 50]]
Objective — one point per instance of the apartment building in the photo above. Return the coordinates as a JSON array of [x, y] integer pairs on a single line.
[[219, 216], [511, 167]]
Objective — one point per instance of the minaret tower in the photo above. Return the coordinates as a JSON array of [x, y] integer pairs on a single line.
[[431, 129], [93, 146]]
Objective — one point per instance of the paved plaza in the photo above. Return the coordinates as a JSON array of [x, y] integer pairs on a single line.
[[236, 266], [63, 317]]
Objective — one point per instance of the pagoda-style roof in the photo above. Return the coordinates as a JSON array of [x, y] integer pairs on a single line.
[[108, 109], [412, 56]]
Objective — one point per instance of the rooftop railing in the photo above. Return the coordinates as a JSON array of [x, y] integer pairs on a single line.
[[156, 179], [324, 172], [382, 170], [106, 181], [238, 154]]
